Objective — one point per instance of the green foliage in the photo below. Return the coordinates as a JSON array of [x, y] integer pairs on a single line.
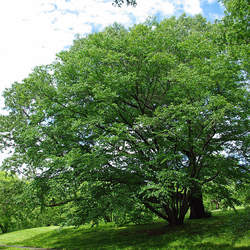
[[148, 113], [12, 208], [242, 193], [19, 207], [235, 26], [236, 20], [109, 203]]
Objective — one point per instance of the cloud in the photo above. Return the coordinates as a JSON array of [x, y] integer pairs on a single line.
[[27, 39], [103, 13], [192, 7]]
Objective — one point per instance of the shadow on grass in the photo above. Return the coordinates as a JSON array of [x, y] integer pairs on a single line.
[[220, 232]]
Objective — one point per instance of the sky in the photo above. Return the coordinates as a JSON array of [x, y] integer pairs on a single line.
[[33, 31]]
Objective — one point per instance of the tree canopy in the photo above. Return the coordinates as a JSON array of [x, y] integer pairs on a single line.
[[119, 3], [153, 113]]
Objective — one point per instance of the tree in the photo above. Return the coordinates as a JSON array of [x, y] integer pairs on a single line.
[[235, 29], [19, 206], [235, 26], [160, 109], [236, 20], [102, 202], [11, 208], [119, 3]]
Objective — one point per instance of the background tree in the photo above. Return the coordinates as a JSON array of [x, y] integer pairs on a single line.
[[20, 206], [160, 109], [12, 215]]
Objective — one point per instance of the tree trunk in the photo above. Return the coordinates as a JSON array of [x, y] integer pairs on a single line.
[[217, 205], [197, 210], [173, 215], [176, 216], [4, 228], [108, 218], [175, 221]]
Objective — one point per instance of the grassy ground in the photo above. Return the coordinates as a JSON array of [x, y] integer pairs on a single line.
[[225, 230]]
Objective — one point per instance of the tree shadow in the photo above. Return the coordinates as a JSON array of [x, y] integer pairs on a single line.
[[220, 232]]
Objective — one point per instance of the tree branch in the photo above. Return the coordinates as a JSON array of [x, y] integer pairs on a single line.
[[211, 178], [147, 205], [62, 202]]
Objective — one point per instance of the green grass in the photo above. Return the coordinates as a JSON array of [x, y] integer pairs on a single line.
[[225, 230]]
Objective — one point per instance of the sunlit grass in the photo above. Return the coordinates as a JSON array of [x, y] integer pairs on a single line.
[[225, 230]]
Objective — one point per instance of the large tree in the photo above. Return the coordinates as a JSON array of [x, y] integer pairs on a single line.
[[157, 112]]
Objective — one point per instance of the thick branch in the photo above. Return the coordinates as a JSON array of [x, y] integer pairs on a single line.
[[62, 202], [211, 178], [147, 205]]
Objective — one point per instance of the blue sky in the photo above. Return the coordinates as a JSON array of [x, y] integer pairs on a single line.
[[33, 31]]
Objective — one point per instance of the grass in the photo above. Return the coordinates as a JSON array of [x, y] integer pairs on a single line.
[[225, 230]]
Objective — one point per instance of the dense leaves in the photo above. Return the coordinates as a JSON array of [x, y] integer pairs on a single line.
[[237, 20], [119, 3], [19, 206], [12, 206], [151, 114]]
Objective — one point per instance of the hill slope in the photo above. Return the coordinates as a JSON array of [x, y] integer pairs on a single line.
[[225, 230]]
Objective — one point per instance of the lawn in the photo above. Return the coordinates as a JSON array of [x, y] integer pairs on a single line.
[[225, 230]]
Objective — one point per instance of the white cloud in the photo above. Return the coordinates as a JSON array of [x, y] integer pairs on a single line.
[[150, 8], [103, 13], [192, 7]]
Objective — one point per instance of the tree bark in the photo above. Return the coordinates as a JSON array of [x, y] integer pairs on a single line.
[[4, 228], [174, 213], [197, 210], [107, 218]]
